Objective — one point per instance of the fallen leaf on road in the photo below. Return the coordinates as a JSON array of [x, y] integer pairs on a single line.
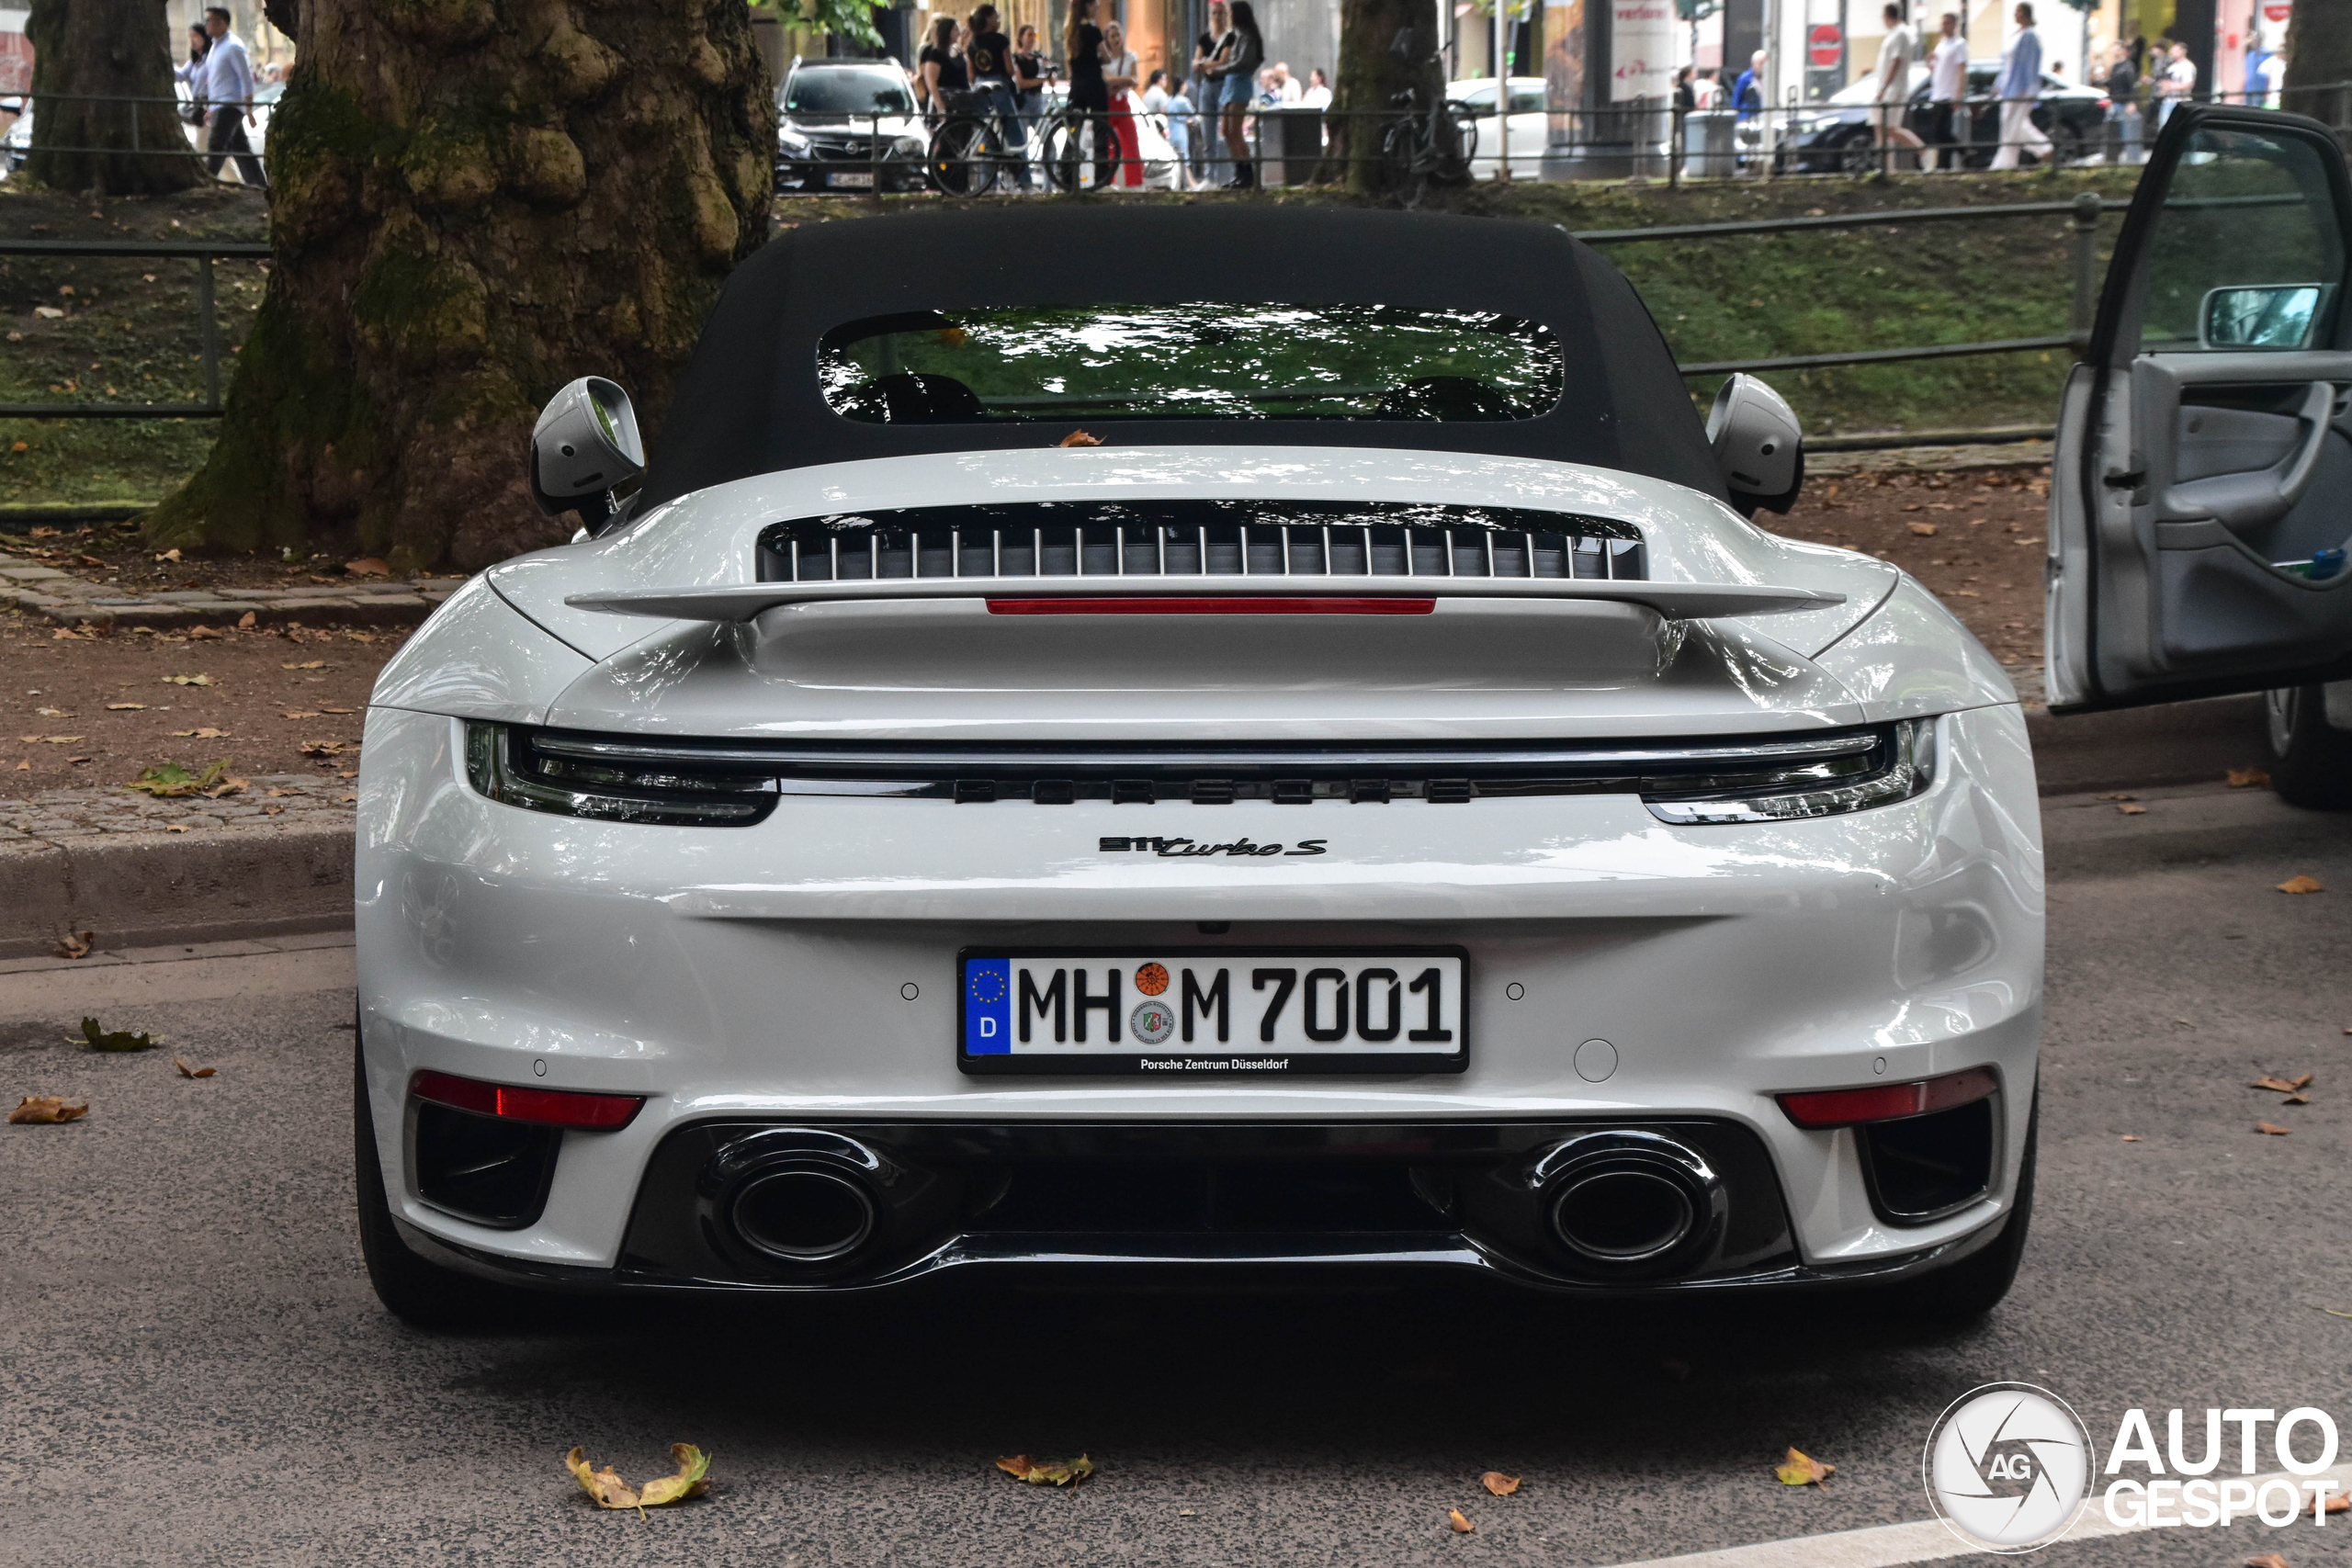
[[245, 621], [169, 780], [2127, 809], [189, 1072], [50, 740], [322, 748], [226, 787], [50, 713], [611, 1492], [75, 944], [1501, 1485], [2271, 1130], [47, 1108], [188, 680], [308, 713], [205, 634], [2282, 1086], [338, 710], [1461, 1525], [367, 566], [1079, 438], [49, 312], [1802, 1470], [1926, 530], [169, 555], [2301, 884], [2267, 1559], [125, 708], [1046, 1473], [204, 733], [2130, 1137], [2332, 1312], [2249, 778], [314, 664], [113, 1039]]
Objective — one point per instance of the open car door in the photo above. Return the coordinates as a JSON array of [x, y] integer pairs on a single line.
[[2201, 495]]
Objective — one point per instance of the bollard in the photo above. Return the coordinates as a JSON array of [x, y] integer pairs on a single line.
[[2087, 207]]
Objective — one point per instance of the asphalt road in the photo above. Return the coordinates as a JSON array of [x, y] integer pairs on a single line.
[[193, 1370]]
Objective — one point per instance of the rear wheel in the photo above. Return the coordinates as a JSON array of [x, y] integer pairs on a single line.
[[422, 1294], [1070, 155], [2310, 759]]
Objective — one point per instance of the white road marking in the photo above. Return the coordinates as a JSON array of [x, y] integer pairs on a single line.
[[1931, 1540]]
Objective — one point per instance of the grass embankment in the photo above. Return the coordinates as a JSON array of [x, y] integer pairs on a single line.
[[129, 332]]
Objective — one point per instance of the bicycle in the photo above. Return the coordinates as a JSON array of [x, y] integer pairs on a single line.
[[1081, 153], [1426, 140], [970, 152]]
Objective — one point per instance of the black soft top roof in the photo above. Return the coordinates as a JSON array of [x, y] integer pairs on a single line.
[[750, 402]]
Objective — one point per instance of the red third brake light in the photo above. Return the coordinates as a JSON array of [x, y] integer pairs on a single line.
[[548, 1107], [1254, 604], [1887, 1102]]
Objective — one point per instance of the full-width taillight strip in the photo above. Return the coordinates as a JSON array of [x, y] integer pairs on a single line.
[[1149, 604], [546, 1107], [1888, 1101]]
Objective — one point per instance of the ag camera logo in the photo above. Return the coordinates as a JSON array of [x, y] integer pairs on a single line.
[[2009, 1467]]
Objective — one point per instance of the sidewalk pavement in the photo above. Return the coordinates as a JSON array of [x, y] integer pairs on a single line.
[[71, 601]]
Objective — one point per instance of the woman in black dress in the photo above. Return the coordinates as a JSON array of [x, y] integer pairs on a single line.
[[1089, 96]]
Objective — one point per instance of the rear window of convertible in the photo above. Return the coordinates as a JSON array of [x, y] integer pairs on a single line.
[[1190, 361]]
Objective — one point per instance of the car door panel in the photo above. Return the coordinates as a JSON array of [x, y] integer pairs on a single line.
[[2203, 488]]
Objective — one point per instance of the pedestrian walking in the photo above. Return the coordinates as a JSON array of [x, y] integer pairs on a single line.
[[229, 88], [1164, 97], [1089, 97], [1947, 95], [2123, 121], [2018, 89], [1237, 73], [1896, 50], [192, 74], [2177, 84], [993, 71]]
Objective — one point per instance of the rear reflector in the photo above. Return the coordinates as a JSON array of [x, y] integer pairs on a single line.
[[1144, 604], [1888, 1103], [546, 1107]]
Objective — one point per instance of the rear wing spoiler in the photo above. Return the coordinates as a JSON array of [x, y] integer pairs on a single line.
[[1209, 595]]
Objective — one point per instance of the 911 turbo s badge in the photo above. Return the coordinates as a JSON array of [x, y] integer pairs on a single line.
[[1170, 848]]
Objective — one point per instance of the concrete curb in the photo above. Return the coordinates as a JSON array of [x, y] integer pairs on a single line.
[[251, 882], [150, 889]]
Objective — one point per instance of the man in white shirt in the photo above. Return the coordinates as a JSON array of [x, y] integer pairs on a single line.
[[1948, 92], [2177, 84], [229, 88], [1896, 50]]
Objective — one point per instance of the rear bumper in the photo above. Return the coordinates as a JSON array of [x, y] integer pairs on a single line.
[[1237, 1204]]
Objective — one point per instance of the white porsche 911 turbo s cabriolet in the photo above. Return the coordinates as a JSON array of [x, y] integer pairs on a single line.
[[1294, 759]]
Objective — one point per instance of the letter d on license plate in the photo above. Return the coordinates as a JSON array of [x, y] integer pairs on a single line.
[[1213, 1016]]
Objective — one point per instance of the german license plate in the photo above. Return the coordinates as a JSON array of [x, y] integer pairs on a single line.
[[845, 179], [1214, 1017]]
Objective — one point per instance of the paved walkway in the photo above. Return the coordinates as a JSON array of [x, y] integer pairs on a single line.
[[70, 600], [265, 801]]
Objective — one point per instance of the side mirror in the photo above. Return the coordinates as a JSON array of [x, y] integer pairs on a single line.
[[2279, 315], [1758, 444], [585, 443]]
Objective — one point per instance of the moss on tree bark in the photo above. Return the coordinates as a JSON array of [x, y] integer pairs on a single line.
[[91, 58], [471, 205]]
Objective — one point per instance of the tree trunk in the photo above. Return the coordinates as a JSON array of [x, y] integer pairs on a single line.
[[106, 49], [2319, 54], [473, 202], [1372, 74]]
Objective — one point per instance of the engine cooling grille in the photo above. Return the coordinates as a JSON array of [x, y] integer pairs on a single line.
[[1308, 541]]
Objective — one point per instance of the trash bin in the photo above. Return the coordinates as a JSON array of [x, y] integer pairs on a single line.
[[1707, 152], [1292, 143]]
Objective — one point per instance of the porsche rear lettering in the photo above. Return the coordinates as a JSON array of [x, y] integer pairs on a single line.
[[1173, 847]]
